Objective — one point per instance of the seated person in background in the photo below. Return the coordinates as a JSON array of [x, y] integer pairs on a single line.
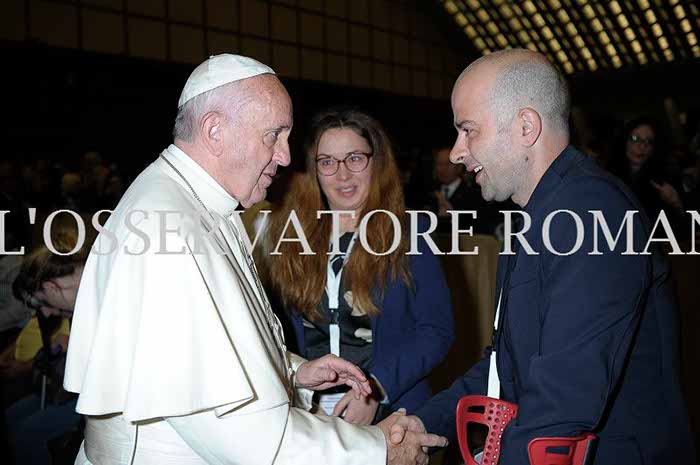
[[691, 186], [453, 192], [391, 315], [457, 190], [641, 162], [49, 283], [17, 359]]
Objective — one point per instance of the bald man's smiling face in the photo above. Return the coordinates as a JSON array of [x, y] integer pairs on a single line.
[[481, 145]]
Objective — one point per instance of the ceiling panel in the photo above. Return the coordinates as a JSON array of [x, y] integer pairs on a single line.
[[584, 35]]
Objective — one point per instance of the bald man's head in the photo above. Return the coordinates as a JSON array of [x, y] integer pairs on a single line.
[[511, 112], [518, 78]]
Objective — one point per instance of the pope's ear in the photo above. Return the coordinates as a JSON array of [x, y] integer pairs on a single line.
[[530, 126], [212, 131]]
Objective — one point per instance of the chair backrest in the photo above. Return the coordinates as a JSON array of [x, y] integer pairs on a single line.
[[472, 283]]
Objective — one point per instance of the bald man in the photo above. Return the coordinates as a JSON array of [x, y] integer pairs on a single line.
[[175, 351], [585, 342]]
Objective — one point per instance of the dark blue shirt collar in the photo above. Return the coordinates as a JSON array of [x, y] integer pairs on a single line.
[[552, 177]]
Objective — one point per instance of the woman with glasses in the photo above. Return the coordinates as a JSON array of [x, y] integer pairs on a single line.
[[389, 314], [643, 165], [48, 283]]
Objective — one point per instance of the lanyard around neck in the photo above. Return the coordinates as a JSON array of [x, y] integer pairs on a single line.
[[333, 279], [333, 293], [494, 382], [494, 386]]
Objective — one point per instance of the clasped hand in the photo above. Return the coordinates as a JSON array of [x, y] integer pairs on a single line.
[[405, 436], [406, 439]]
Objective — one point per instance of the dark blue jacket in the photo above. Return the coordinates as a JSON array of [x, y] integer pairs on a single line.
[[587, 342], [411, 335]]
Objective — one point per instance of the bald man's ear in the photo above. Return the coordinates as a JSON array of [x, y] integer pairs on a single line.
[[530, 125], [212, 128]]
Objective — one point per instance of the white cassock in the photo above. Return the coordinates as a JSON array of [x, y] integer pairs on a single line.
[[174, 351]]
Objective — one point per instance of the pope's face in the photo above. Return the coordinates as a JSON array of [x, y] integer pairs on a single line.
[[257, 143]]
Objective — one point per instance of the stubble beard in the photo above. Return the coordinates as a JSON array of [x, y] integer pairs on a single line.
[[500, 178]]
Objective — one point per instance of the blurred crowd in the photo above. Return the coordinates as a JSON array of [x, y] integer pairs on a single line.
[[85, 184], [662, 169]]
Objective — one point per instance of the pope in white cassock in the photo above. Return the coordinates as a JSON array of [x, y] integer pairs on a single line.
[[174, 349]]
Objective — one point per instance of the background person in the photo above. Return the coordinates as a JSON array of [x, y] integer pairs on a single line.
[[456, 191], [392, 313], [641, 163], [50, 281]]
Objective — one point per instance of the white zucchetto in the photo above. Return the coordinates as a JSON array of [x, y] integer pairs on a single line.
[[219, 70]]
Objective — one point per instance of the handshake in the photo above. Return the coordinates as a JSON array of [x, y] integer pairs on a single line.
[[405, 436], [406, 439]]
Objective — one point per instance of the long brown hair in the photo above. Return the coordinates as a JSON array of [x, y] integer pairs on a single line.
[[299, 280], [43, 265]]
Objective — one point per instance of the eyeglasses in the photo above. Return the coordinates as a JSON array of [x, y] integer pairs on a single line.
[[635, 139], [354, 162]]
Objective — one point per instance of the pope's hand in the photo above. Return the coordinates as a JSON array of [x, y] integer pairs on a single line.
[[330, 371], [406, 439]]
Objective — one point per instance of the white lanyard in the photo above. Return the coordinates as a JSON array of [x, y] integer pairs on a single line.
[[494, 389], [333, 292]]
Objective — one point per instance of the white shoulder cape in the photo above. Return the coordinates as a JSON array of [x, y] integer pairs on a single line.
[[165, 334]]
